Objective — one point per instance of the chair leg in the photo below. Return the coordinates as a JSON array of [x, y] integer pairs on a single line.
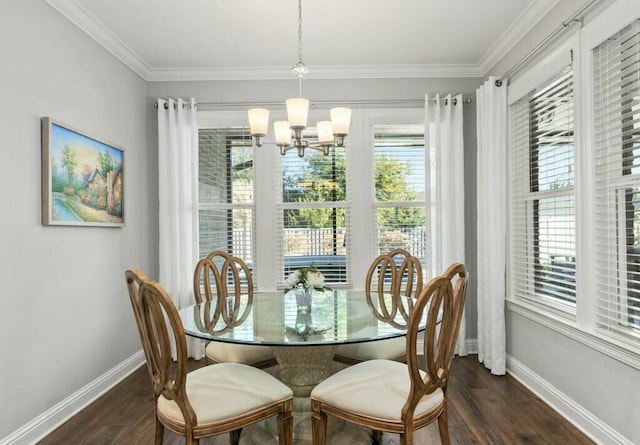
[[319, 424], [285, 425], [234, 436], [406, 438], [191, 441], [159, 432], [376, 437], [443, 427]]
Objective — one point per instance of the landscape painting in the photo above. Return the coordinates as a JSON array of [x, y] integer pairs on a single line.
[[82, 178]]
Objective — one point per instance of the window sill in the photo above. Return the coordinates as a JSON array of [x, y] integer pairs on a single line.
[[567, 327]]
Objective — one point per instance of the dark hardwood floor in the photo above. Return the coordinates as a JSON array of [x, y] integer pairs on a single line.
[[483, 409]]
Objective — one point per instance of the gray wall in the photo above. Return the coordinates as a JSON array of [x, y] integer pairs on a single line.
[[66, 317], [355, 90]]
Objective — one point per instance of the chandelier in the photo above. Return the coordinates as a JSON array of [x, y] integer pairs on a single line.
[[288, 134]]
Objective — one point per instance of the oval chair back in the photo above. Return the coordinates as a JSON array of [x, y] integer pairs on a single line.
[[417, 388], [206, 280], [162, 327]]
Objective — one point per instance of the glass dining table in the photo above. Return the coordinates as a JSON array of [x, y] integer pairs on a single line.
[[304, 339]]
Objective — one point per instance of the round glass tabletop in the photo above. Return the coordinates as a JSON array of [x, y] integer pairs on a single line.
[[275, 318]]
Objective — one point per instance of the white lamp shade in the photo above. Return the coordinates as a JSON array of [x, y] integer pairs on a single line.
[[282, 132], [325, 132], [258, 121], [297, 112], [341, 120]]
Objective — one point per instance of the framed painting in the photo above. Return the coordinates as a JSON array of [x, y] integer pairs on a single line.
[[82, 178]]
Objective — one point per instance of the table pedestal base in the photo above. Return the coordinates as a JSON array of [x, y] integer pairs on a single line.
[[302, 368], [261, 434], [338, 432]]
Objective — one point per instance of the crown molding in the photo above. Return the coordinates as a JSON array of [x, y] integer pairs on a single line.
[[518, 29], [80, 17], [318, 72]]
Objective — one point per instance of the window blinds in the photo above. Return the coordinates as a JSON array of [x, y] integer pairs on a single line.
[[226, 211], [616, 68], [313, 215], [400, 187], [543, 203]]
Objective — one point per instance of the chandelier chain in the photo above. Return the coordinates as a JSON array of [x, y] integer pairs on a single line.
[[300, 68], [300, 32]]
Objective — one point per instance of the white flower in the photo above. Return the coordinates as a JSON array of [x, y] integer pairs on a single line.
[[292, 279], [315, 279], [308, 277]]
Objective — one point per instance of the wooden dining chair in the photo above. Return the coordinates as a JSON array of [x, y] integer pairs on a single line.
[[134, 279], [216, 399], [395, 397], [386, 278], [233, 283]]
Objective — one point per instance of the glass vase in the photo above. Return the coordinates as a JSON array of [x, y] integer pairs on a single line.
[[303, 298]]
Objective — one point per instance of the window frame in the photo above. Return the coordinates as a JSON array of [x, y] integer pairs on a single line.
[[402, 204], [281, 206], [582, 327], [620, 180], [359, 164], [226, 206], [520, 94]]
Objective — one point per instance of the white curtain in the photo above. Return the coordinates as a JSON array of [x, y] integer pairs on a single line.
[[177, 171], [491, 223], [445, 156]]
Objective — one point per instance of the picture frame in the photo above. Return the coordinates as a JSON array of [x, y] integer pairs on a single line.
[[82, 178]]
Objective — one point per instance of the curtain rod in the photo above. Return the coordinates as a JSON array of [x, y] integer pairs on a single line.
[[565, 25], [326, 103]]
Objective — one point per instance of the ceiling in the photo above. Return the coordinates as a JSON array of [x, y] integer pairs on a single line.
[[258, 39]]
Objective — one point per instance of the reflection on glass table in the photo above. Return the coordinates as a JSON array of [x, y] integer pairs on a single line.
[[303, 341], [342, 316]]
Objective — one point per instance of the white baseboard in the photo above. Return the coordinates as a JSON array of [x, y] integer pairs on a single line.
[[471, 345], [55, 416], [573, 412]]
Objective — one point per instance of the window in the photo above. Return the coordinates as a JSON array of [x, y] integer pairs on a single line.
[[543, 202], [304, 208], [616, 85], [400, 186], [575, 189], [226, 211], [313, 214]]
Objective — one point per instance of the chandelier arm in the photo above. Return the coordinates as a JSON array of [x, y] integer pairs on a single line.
[[324, 149]]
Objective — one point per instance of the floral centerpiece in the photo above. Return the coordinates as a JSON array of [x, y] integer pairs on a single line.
[[304, 281], [308, 277]]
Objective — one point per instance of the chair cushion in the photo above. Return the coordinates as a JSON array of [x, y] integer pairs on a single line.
[[236, 353], [226, 390], [389, 349], [375, 388]]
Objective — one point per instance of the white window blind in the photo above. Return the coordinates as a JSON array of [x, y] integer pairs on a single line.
[[313, 215], [543, 202], [226, 211], [616, 79], [400, 188]]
